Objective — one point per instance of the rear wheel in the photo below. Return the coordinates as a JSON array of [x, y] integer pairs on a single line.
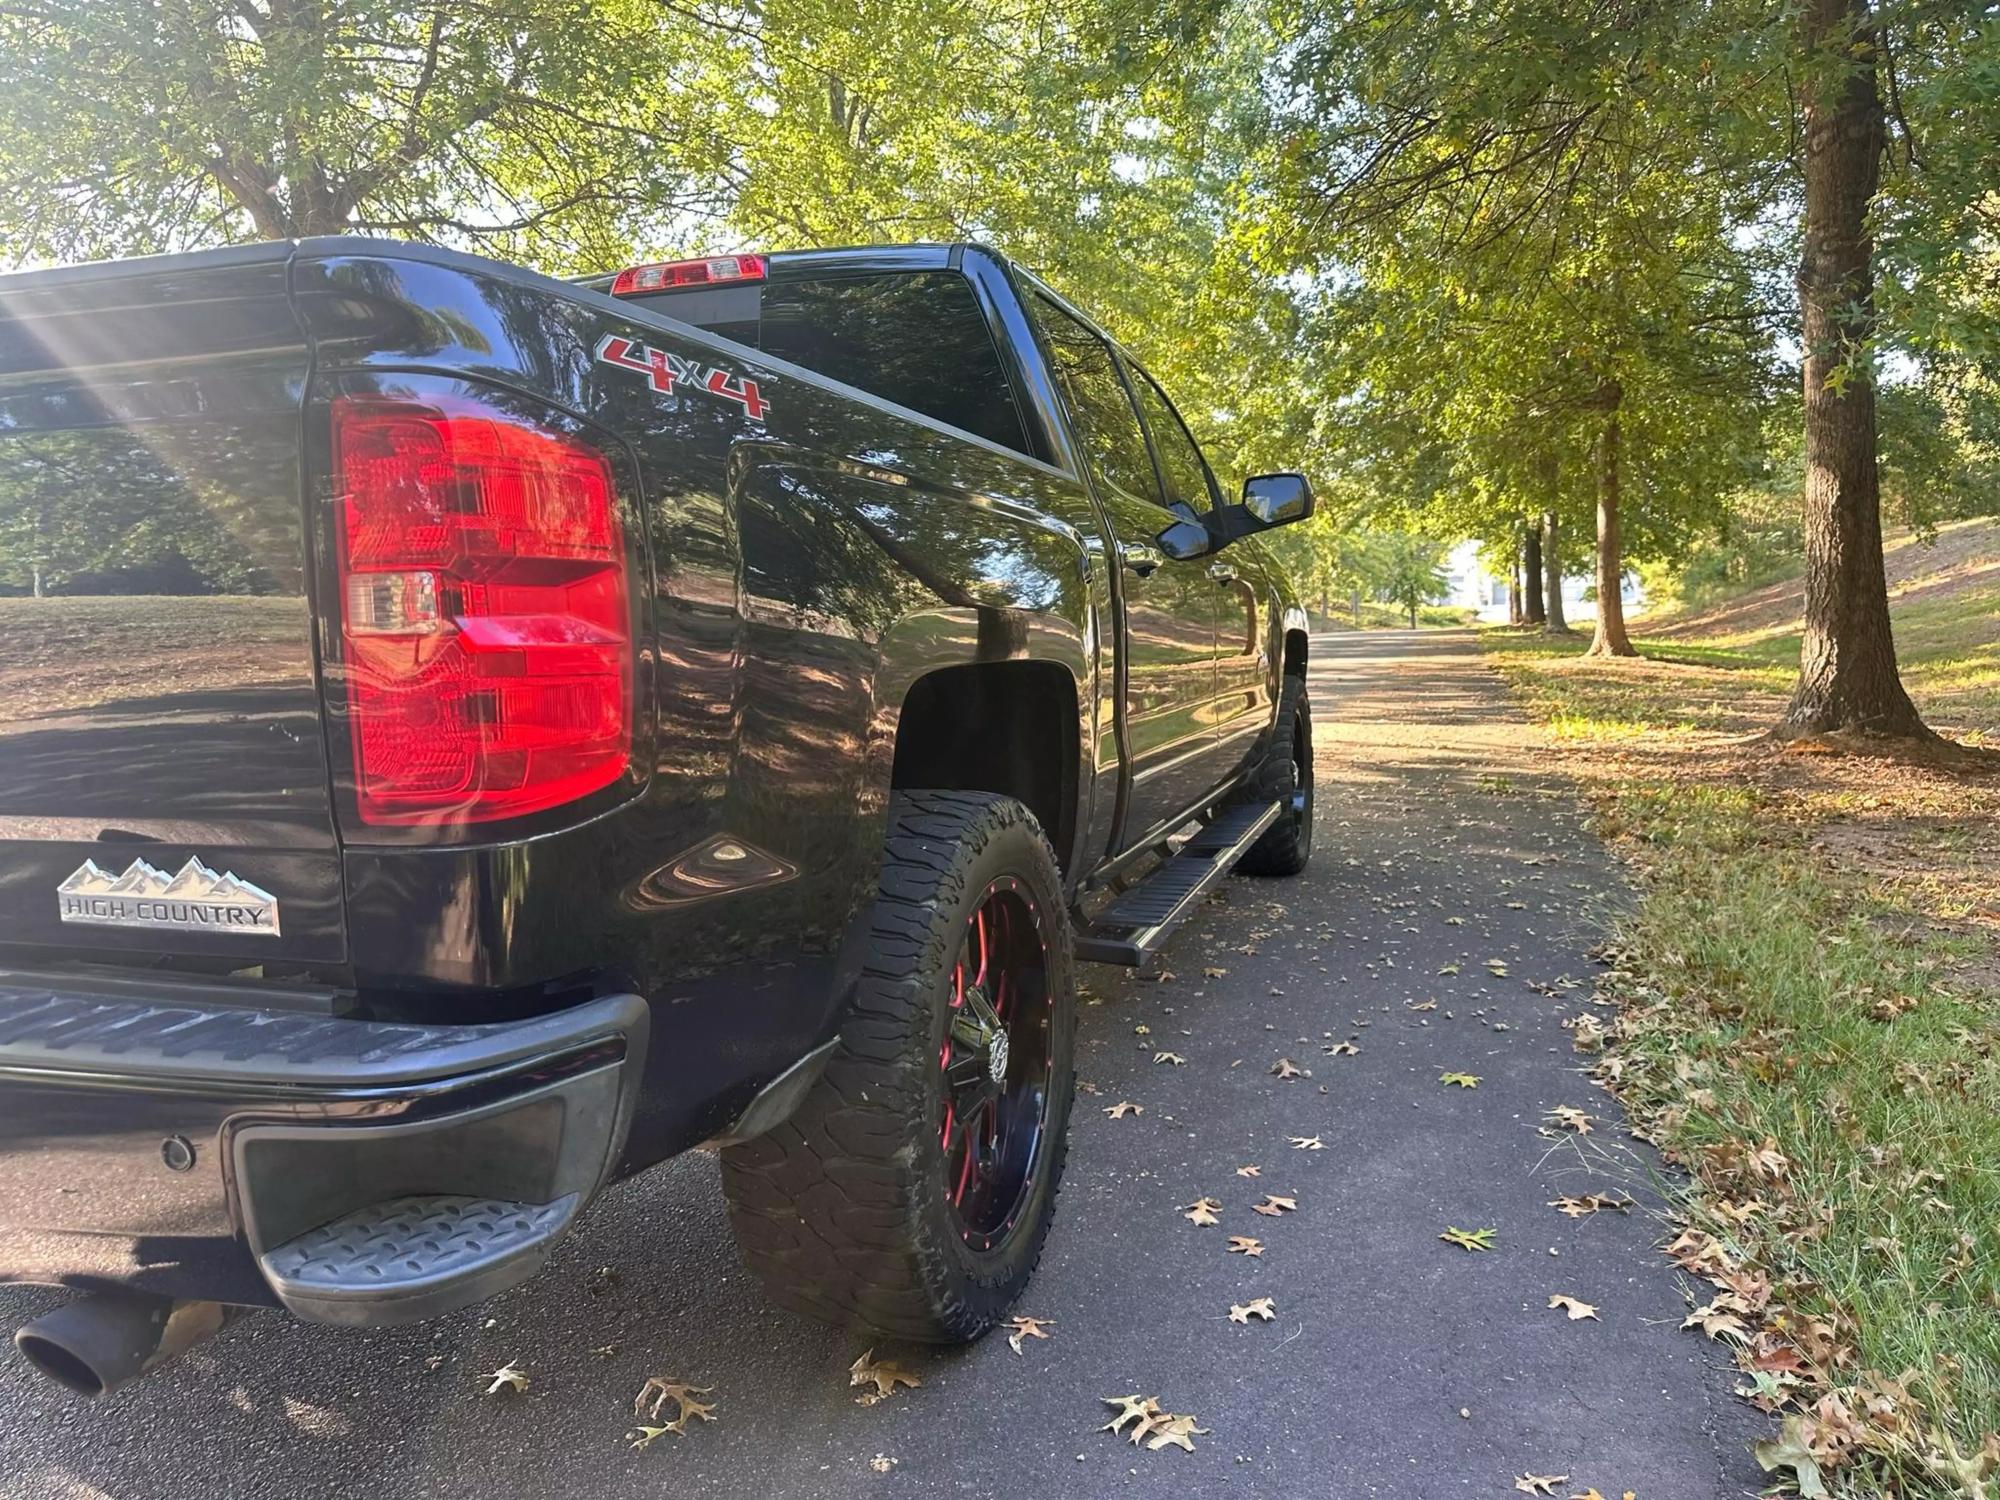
[[1287, 773], [913, 1189]]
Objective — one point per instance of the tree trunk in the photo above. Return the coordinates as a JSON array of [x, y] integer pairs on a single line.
[[1412, 603], [1847, 659], [1610, 639], [1552, 576], [1533, 611], [1354, 606], [1514, 590]]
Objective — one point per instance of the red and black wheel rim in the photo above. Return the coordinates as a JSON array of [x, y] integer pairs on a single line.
[[996, 1063]]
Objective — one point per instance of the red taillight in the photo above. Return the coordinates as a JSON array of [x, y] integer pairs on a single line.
[[666, 275], [485, 617]]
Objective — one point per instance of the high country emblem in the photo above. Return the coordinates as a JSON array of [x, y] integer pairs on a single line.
[[193, 899]]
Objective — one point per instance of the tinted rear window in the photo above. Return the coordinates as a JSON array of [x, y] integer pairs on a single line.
[[915, 338]]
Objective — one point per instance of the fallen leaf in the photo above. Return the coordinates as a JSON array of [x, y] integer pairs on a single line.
[[1249, 1171], [1273, 1205], [1693, 1250], [1449, 969], [1718, 1322], [1175, 1431], [1770, 1354], [1791, 1450], [1887, 1007], [506, 1378], [1307, 1143], [1469, 1239], [1123, 1108], [1150, 1420], [1589, 1203], [881, 1463], [1539, 1484], [1462, 1080], [1341, 1049], [1423, 1005], [1173, 1058], [1571, 1118], [1262, 1307], [1140, 1409], [1768, 1161], [1027, 1328], [885, 1374], [1201, 1212], [1574, 1308], [1590, 1494], [1768, 1390], [642, 1436], [1284, 1067], [658, 1391], [1242, 1244], [1213, 973]]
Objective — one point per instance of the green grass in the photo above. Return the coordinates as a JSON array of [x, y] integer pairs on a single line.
[[1947, 644], [1766, 1002], [1376, 615], [1624, 702], [1774, 996]]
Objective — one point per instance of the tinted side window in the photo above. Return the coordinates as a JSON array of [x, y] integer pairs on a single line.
[[1180, 459], [917, 339], [1107, 426]]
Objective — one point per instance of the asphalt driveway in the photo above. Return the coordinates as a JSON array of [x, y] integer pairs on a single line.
[[1445, 927]]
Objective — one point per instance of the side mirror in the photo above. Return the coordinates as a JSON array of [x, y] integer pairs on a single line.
[[1277, 499], [1268, 500], [1189, 536]]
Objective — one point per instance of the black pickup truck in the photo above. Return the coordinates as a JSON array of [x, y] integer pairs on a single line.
[[466, 737]]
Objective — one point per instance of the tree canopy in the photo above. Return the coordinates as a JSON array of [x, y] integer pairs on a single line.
[[1533, 268]]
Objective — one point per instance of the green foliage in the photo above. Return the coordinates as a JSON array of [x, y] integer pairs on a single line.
[[141, 125], [1523, 248], [1415, 254]]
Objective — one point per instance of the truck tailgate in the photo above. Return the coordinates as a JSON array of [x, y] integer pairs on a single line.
[[163, 774]]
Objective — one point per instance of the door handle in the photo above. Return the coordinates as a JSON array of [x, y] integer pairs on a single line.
[[1141, 559], [1222, 572]]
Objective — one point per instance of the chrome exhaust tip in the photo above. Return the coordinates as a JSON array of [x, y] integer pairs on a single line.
[[103, 1341]]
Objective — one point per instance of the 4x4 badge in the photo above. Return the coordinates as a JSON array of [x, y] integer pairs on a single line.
[[192, 899], [663, 369]]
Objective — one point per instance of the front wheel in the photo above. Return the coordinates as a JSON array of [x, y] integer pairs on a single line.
[[913, 1189], [1287, 774]]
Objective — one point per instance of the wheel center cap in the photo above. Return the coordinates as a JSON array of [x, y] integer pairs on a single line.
[[996, 1057]]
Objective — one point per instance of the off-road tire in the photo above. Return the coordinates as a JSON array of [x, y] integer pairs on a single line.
[[843, 1211], [1287, 768]]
